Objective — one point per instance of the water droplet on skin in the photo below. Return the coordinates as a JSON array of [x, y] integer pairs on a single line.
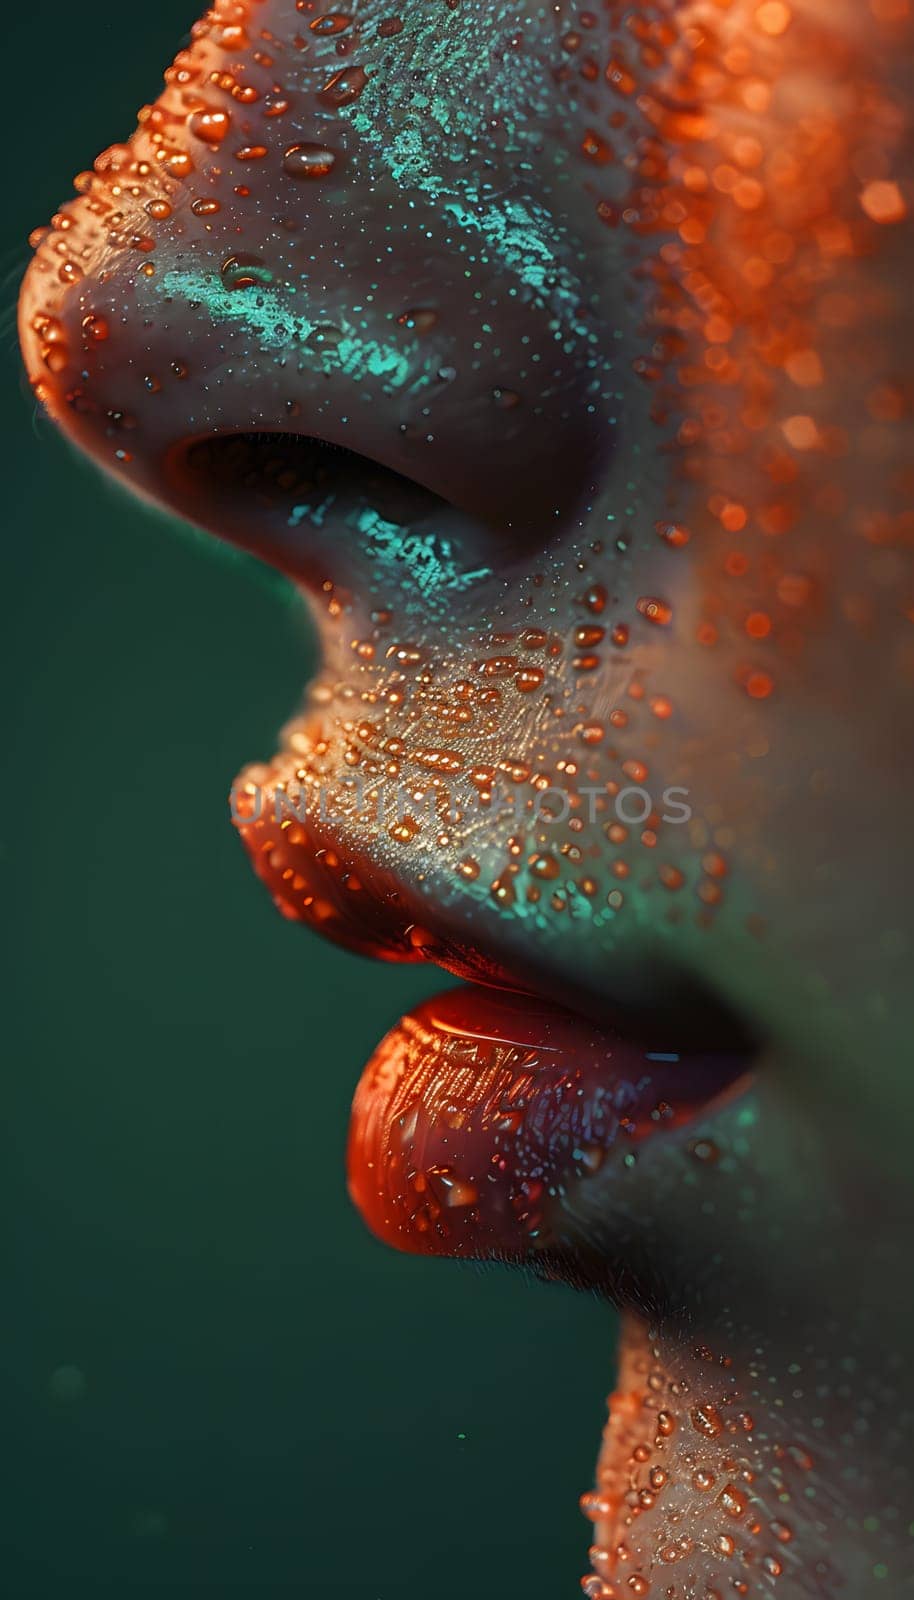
[[308, 161], [179, 165], [344, 86], [325, 336], [758, 685], [655, 611], [506, 399], [673, 534], [588, 636], [733, 1500], [332, 22], [704, 1150], [706, 1421], [210, 126], [595, 148], [419, 319], [528, 679], [544, 866], [242, 271], [205, 208], [595, 599], [95, 328]]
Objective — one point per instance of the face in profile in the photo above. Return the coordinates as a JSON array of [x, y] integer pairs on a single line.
[[562, 359]]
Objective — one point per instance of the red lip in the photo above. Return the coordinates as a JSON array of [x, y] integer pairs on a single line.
[[479, 1108]]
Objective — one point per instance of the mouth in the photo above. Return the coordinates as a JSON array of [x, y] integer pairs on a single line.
[[481, 1110]]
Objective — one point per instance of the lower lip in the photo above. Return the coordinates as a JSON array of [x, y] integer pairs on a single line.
[[480, 1108]]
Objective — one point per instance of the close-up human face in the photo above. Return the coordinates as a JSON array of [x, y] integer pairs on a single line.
[[561, 360]]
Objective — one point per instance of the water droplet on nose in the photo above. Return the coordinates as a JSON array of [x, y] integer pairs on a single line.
[[179, 164], [419, 319], [95, 327], [210, 126], [344, 86], [308, 161], [243, 271], [331, 22], [324, 336]]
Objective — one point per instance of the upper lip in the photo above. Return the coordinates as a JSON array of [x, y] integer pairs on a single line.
[[326, 869]]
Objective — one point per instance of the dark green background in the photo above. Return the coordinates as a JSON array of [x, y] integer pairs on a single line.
[[272, 1402]]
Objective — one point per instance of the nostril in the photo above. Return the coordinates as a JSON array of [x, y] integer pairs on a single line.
[[294, 474], [319, 511]]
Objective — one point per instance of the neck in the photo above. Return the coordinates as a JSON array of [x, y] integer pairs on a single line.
[[723, 1473]]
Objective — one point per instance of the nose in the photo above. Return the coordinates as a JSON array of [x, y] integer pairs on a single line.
[[302, 299]]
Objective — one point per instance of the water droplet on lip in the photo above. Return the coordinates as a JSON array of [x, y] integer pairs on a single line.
[[308, 161]]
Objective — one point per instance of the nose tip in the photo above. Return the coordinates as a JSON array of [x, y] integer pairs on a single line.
[[253, 263]]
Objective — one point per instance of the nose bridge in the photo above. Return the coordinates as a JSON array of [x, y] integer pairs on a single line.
[[282, 246]]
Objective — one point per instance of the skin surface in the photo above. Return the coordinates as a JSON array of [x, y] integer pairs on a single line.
[[562, 357]]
